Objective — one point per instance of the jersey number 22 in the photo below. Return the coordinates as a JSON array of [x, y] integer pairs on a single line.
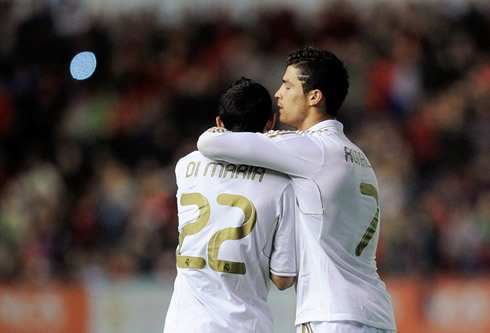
[[230, 233]]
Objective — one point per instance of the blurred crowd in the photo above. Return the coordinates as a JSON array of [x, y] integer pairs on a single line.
[[87, 185]]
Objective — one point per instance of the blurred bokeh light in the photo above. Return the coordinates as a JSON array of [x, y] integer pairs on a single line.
[[83, 65]]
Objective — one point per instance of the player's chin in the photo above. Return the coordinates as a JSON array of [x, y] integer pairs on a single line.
[[282, 117]]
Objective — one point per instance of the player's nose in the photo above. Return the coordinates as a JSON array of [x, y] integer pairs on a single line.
[[277, 94]]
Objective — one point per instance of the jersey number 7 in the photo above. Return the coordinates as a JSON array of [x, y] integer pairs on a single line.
[[369, 190], [230, 233]]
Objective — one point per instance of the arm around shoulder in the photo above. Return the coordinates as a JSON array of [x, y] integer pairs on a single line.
[[292, 154], [210, 142]]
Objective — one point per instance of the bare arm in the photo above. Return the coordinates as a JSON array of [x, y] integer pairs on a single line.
[[283, 282]]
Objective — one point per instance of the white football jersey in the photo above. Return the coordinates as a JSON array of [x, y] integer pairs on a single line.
[[338, 217], [236, 226]]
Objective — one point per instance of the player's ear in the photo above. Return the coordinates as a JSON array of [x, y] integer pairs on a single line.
[[314, 97], [219, 122], [271, 122]]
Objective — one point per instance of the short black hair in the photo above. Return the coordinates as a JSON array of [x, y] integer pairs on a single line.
[[323, 70], [245, 106]]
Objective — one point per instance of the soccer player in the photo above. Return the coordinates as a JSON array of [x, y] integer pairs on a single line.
[[338, 213], [236, 230]]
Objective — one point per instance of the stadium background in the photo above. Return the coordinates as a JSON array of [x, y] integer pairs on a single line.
[[87, 207]]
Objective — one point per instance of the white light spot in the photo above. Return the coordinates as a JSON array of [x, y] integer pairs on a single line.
[[83, 65]]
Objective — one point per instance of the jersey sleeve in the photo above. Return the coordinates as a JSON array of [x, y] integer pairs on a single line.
[[288, 152], [283, 257]]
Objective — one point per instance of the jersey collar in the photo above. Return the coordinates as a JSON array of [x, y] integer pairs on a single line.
[[327, 123]]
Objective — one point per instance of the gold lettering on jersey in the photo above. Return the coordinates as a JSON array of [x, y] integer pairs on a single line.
[[230, 168], [214, 165], [192, 169], [243, 169], [222, 170], [356, 157], [258, 171]]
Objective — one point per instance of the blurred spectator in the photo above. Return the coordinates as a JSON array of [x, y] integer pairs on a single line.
[[86, 167]]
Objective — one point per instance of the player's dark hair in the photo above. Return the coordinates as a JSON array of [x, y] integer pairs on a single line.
[[245, 106], [323, 70]]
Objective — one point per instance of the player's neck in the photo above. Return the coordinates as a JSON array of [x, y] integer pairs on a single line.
[[312, 119]]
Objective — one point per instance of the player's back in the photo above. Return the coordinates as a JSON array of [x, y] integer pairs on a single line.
[[228, 217], [340, 282]]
